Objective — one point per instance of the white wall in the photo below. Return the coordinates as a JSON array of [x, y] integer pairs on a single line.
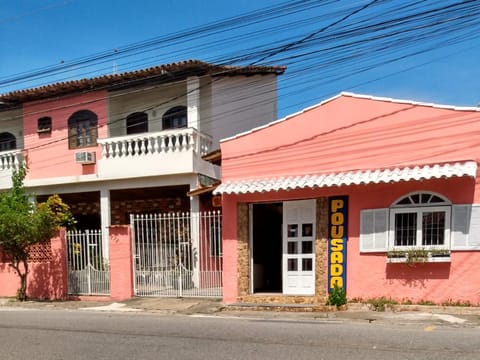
[[155, 100], [227, 106], [12, 121], [239, 104]]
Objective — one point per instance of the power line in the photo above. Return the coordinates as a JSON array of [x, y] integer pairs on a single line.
[[465, 13]]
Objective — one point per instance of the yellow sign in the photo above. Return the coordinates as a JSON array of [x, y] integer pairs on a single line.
[[337, 242]]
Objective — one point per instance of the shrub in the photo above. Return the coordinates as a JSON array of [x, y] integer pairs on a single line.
[[461, 303], [379, 304], [337, 297]]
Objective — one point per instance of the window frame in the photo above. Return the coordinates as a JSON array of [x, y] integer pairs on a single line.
[[136, 123], [8, 141], [419, 211], [44, 124], [420, 202], [173, 115], [89, 136]]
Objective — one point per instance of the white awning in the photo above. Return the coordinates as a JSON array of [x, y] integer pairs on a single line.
[[423, 172]]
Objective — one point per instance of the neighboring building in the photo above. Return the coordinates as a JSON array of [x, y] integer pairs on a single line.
[[378, 196], [130, 143]]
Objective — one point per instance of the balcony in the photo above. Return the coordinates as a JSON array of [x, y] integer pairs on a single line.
[[167, 152], [9, 160]]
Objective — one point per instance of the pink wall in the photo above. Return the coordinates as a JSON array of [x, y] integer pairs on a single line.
[[121, 265], [46, 279], [350, 133], [368, 275], [230, 254], [48, 155]]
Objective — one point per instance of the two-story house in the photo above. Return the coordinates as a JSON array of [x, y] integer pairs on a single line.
[[130, 143]]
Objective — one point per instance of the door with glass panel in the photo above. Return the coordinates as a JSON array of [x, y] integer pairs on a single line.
[[298, 247]]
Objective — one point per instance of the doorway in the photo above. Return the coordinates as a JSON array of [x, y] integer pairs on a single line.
[[267, 247]]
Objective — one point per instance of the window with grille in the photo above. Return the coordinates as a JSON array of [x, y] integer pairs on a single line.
[[82, 129], [420, 220], [137, 123], [7, 141], [175, 118]]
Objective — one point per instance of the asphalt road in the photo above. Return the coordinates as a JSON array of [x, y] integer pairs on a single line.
[[67, 334]]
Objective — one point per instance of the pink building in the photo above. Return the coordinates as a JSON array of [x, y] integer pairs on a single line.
[[133, 143], [377, 196]]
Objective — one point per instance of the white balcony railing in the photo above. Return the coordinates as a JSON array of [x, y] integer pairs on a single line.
[[168, 141], [11, 159]]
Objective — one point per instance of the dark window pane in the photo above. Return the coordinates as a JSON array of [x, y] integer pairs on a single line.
[[137, 123], [426, 198], [292, 247], [433, 228], [175, 118], [292, 230], [435, 200], [44, 124], [292, 265], [415, 198], [405, 229], [307, 264], [7, 141], [307, 230], [307, 247]]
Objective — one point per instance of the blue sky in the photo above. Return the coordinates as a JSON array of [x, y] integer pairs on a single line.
[[43, 34]]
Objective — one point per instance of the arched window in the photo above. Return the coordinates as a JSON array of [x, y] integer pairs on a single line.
[[82, 129], [175, 118], [420, 219], [7, 141], [137, 123]]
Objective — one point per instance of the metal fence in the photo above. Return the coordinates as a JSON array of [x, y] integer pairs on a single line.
[[177, 255], [88, 270]]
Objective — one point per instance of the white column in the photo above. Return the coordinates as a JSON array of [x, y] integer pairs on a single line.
[[105, 221], [195, 233], [193, 102]]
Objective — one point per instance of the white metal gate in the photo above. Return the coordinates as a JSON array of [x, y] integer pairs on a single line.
[[88, 270], [177, 255]]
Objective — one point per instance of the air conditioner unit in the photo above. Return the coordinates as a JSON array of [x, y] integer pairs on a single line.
[[85, 157]]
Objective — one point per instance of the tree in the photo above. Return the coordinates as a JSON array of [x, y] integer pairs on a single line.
[[23, 224]]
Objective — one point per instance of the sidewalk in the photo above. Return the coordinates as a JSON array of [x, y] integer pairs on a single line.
[[437, 315]]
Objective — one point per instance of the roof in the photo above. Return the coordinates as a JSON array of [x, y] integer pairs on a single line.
[[215, 157], [358, 96], [161, 73], [203, 189], [421, 172]]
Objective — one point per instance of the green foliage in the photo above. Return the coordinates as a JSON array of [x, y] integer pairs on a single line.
[[337, 297], [381, 303], [425, 302], [23, 224], [460, 303], [417, 255], [59, 211]]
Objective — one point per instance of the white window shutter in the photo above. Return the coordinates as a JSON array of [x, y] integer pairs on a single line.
[[374, 230], [474, 235], [465, 232], [460, 226]]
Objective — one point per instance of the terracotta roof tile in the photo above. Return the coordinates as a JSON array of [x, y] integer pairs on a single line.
[[166, 72]]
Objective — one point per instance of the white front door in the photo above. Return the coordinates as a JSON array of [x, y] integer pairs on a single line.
[[299, 247]]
